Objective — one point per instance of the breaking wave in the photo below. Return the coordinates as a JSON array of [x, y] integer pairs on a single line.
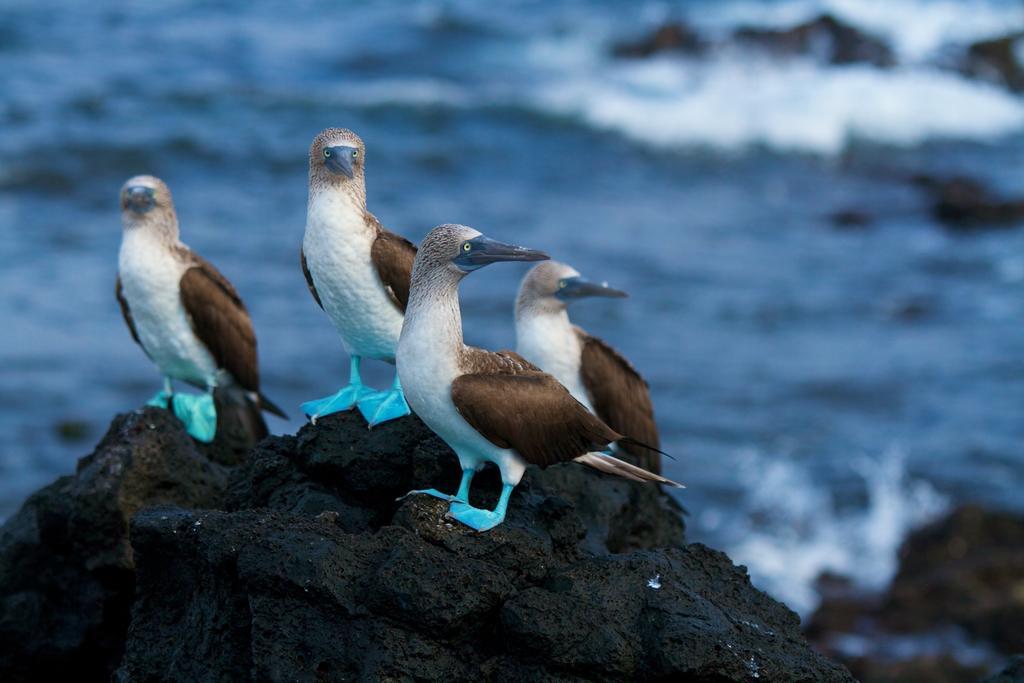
[[734, 99], [800, 106], [793, 529]]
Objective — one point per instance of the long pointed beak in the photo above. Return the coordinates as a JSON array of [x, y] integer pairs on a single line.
[[581, 287], [338, 160], [482, 251]]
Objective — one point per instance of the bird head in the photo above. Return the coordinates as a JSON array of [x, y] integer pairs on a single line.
[[459, 250], [552, 286], [146, 200], [337, 158]]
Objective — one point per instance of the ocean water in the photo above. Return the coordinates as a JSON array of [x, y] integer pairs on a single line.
[[823, 390]]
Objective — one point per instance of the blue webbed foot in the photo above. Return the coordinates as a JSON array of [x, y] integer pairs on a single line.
[[382, 406], [345, 399], [475, 518], [160, 400], [198, 414]]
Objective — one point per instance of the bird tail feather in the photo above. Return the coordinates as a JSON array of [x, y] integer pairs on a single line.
[[612, 465], [271, 407], [239, 420], [630, 441]]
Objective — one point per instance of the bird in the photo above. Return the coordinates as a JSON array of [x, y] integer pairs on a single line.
[[596, 374], [489, 407], [186, 316], [357, 272]]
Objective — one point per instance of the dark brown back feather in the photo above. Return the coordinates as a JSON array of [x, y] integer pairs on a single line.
[[127, 313], [309, 278], [221, 322], [393, 256], [621, 398], [515, 405]]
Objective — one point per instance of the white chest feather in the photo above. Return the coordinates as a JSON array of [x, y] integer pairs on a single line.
[[337, 246], [428, 363], [550, 342], [150, 280]]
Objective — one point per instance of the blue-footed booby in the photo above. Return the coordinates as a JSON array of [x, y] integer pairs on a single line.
[[186, 316], [357, 271], [487, 406], [597, 375]]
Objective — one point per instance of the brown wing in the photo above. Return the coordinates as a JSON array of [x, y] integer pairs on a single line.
[[514, 405], [620, 397], [221, 322], [393, 256], [309, 278], [127, 313]]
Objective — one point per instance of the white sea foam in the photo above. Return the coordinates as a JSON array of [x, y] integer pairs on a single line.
[[732, 102], [735, 99], [800, 532]]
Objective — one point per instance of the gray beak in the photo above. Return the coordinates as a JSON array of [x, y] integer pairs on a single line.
[[139, 198], [338, 160], [482, 251], [580, 288]]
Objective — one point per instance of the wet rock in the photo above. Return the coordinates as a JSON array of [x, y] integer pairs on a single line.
[[66, 565], [1013, 673], [71, 430], [672, 36], [966, 204], [912, 310], [825, 38], [999, 60], [270, 594], [954, 611], [968, 570], [851, 219]]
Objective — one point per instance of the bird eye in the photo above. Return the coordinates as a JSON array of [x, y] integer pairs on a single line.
[[327, 152], [466, 246], [561, 284], [355, 154]]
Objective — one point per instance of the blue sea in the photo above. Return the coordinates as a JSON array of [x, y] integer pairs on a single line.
[[823, 390]]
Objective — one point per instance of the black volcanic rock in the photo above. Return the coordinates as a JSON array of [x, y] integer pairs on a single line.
[[851, 219], [274, 594], [66, 564], [671, 36], [966, 569], [966, 204], [1013, 673], [300, 564], [824, 37], [960, 581], [342, 467], [996, 60]]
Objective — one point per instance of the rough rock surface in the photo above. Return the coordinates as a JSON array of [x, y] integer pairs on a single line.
[[66, 564], [1013, 673], [966, 204], [956, 604], [997, 60], [300, 564], [672, 36], [341, 467], [824, 37], [275, 594]]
